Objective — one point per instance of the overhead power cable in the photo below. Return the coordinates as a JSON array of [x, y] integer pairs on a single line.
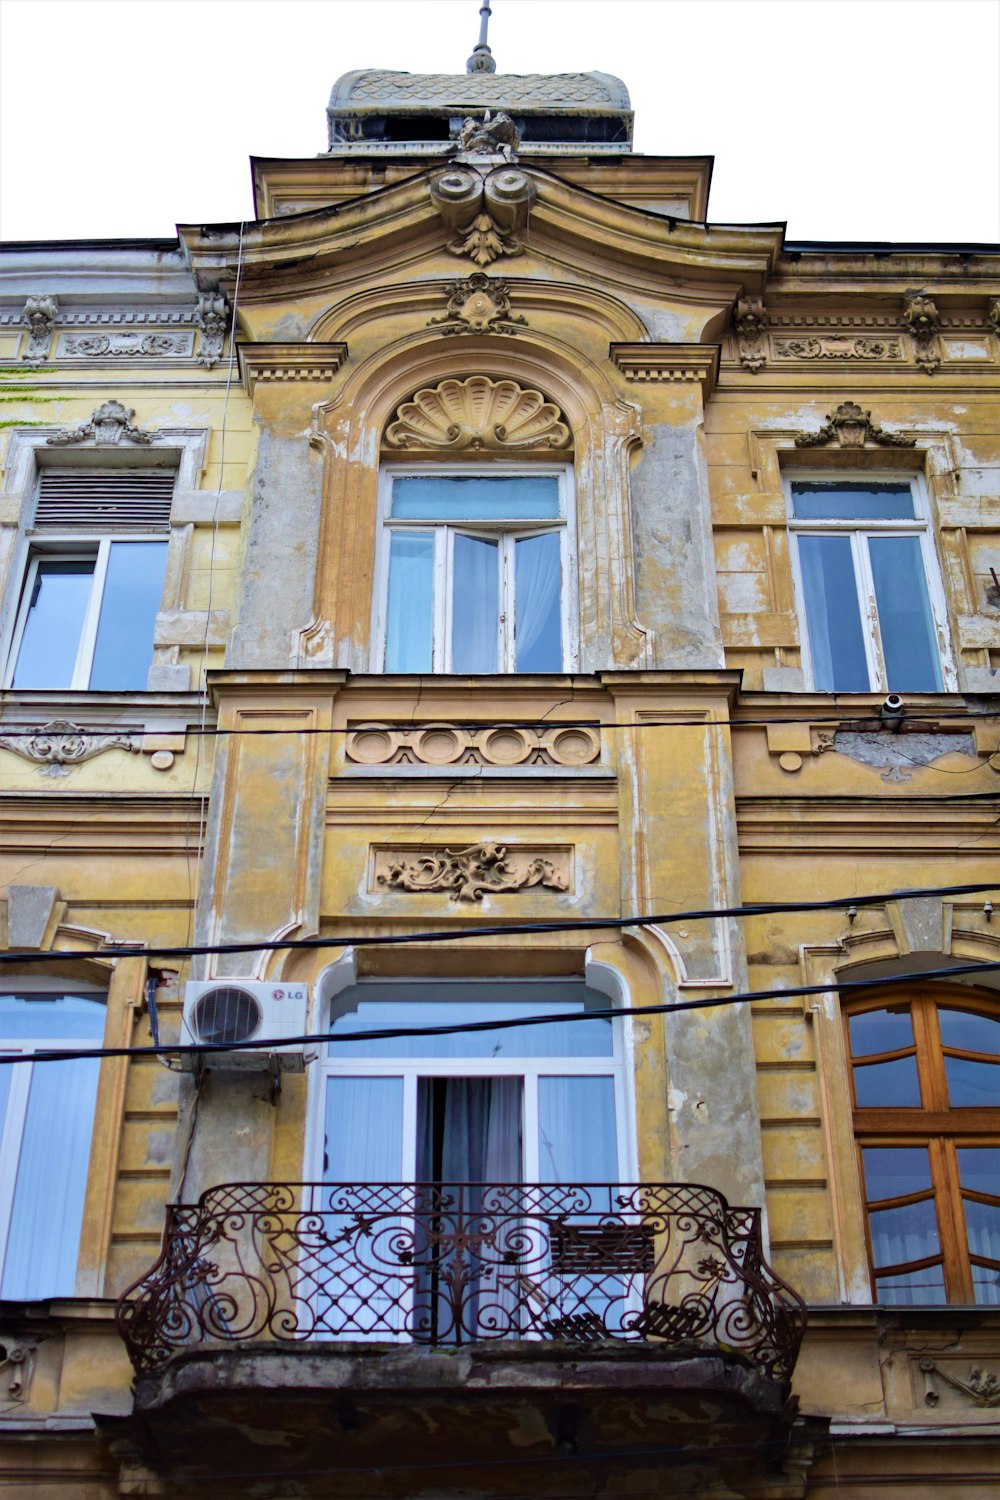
[[515, 929], [272, 1044]]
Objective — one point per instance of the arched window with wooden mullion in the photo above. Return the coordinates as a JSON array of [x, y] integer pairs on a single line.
[[925, 1078]]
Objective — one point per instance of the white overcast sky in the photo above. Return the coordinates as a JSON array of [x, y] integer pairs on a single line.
[[850, 119]]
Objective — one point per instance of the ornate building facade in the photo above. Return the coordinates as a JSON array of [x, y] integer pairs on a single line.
[[539, 649]]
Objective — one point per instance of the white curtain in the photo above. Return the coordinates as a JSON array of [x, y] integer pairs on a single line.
[[538, 614], [475, 604], [43, 1242]]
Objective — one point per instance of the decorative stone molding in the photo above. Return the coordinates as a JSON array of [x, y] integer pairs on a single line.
[[17, 1365], [494, 416], [119, 345], [681, 362], [108, 424], [852, 427], [982, 1386], [484, 869], [289, 362], [923, 321], [60, 743], [487, 210], [993, 314], [478, 305], [837, 346], [212, 317], [40, 316], [751, 321], [571, 747]]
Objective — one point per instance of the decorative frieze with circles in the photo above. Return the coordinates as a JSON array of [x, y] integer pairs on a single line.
[[441, 744]]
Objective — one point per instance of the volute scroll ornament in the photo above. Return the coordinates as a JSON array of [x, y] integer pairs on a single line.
[[923, 321], [483, 869], [39, 316], [493, 416], [484, 197], [852, 426], [478, 305]]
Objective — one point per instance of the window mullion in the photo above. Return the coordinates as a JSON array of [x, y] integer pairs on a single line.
[[951, 1221], [507, 623], [869, 609], [11, 1136], [444, 550], [88, 632]]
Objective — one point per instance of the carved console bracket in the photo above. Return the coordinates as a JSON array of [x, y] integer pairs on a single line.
[[484, 197], [108, 425], [993, 314], [484, 869], [60, 744], [852, 427], [982, 1386], [923, 321], [689, 363], [496, 416], [478, 305], [40, 316], [17, 1365], [751, 321], [212, 317]]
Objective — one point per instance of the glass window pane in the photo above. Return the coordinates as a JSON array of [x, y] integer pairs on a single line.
[[475, 604], [51, 636], [363, 1142], [443, 497], [577, 1134], [880, 1031], [538, 637], [983, 1223], [133, 589], [970, 1033], [56, 1017], [979, 1168], [909, 644], [890, 1083], [972, 1084], [912, 1288], [836, 642], [895, 1171], [44, 1238], [409, 628], [384, 1006], [903, 1234], [986, 1286], [851, 501]]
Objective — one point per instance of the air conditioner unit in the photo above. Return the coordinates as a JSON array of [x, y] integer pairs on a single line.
[[244, 1010]]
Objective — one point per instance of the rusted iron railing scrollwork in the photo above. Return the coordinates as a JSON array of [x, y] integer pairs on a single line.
[[444, 1264]]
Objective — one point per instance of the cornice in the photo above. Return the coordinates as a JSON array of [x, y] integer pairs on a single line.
[[317, 363], [680, 362]]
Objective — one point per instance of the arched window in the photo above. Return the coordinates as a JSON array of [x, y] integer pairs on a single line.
[[46, 1125], [925, 1078]]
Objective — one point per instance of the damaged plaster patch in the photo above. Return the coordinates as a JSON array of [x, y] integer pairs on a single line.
[[896, 755]]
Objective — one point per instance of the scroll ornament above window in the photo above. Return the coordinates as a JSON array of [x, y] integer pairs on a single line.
[[479, 415], [484, 197], [109, 424], [852, 427]]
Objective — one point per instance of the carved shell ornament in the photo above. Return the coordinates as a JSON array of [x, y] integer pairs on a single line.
[[492, 416]]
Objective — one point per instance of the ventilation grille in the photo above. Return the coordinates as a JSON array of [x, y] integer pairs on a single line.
[[226, 1014], [119, 502]]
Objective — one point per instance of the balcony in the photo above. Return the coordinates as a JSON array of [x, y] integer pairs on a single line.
[[441, 1326]]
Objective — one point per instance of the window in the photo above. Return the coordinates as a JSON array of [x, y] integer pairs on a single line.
[[93, 582], [474, 571], [46, 1124], [868, 583], [926, 1085]]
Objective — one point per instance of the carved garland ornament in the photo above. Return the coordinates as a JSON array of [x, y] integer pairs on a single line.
[[494, 416], [60, 743], [852, 426], [108, 424], [982, 1386], [484, 869]]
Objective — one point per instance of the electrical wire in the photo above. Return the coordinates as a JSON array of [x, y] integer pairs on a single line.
[[516, 929], [271, 1044]]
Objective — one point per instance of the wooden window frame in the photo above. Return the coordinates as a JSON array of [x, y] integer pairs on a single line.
[[936, 1124]]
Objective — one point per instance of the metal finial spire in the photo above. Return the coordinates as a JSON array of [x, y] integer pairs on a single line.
[[481, 60]]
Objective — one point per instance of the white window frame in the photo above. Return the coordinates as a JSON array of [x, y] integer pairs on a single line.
[[337, 1061], [16, 1112], [71, 547], [859, 532], [506, 533]]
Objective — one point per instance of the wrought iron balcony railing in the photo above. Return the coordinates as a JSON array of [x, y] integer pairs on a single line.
[[667, 1264]]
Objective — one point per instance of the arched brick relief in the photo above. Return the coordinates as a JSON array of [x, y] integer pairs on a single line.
[[349, 431]]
